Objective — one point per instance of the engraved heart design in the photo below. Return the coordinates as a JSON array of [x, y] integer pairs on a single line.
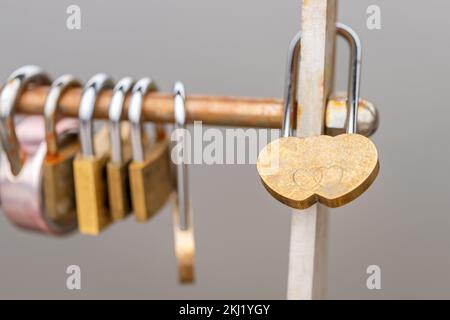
[[314, 178], [331, 170]]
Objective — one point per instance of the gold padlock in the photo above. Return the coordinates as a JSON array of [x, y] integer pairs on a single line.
[[57, 175], [117, 168], [90, 166], [331, 170], [150, 179]]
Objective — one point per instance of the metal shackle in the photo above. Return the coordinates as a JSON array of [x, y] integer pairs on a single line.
[[16, 84], [122, 88], [140, 89], [354, 80], [86, 112], [51, 108], [179, 97]]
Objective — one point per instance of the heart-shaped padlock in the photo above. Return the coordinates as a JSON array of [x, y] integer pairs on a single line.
[[331, 170]]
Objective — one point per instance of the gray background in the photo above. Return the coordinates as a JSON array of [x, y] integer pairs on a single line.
[[238, 47]]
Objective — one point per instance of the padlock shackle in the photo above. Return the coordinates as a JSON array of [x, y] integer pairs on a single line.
[[51, 108], [182, 186], [353, 88], [354, 75], [290, 86], [16, 84], [140, 89], [115, 110], [91, 90]]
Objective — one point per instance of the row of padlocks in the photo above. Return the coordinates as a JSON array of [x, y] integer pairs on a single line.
[[58, 175]]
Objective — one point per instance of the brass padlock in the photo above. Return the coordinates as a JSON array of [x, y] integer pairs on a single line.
[[117, 168], [331, 170], [57, 175], [90, 166], [150, 179]]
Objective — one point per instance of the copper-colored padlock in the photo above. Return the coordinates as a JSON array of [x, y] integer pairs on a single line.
[[332, 170], [150, 179], [57, 174], [117, 168], [21, 183], [90, 166]]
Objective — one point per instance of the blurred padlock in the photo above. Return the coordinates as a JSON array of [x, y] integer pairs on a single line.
[[90, 166], [59, 188], [117, 168], [183, 225], [21, 184], [150, 178]]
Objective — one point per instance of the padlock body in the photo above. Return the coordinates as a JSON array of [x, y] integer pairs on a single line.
[[150, 181], [91, 194], [58, 185], [119, 190]]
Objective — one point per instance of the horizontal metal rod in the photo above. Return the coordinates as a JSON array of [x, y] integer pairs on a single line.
[[211, 110]]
